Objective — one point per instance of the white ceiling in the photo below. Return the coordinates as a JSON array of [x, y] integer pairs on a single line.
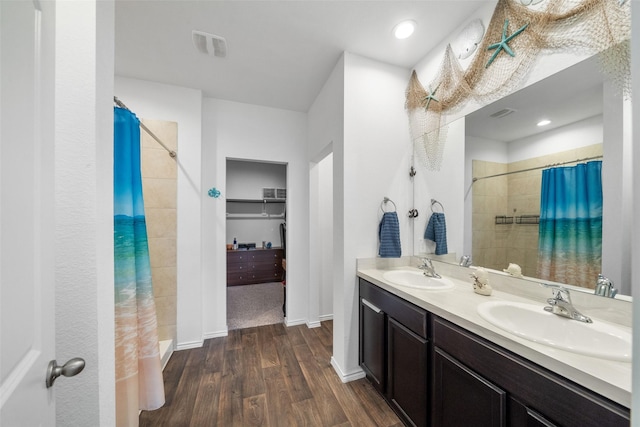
[[280, 53], [566, 97]]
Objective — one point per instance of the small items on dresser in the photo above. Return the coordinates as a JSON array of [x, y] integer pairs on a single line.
[[481, 284]]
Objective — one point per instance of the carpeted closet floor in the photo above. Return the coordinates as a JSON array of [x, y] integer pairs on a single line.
[[254, 305]]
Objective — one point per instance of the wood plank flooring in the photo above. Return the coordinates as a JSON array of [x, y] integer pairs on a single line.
[[265, 376]]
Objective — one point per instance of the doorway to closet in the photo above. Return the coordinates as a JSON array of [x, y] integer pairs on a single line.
[[256, 206]]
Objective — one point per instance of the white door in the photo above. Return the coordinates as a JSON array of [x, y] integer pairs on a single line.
[[26, 212]]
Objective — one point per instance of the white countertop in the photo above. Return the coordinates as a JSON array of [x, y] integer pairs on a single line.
[[611, 379]]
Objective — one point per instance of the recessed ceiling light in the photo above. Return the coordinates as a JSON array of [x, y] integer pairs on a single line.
[[544, 122], [404, 29]]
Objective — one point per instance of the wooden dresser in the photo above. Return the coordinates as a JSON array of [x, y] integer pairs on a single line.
[[254, 266]]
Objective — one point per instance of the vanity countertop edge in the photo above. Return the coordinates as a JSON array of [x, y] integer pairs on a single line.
[[611, 379]]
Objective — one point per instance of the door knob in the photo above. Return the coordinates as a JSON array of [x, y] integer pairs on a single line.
[[69, 369]]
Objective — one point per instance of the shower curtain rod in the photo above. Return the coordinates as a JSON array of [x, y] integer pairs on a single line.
[[536, 168], [146, 129]]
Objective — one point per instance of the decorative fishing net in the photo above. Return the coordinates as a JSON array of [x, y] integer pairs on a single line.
[[581, 26]]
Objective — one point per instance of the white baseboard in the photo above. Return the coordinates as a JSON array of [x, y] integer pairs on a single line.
[[326, 317], [345, 378], [313, 324], [288, 322], [188, 345], [166, 350], [218, 334]]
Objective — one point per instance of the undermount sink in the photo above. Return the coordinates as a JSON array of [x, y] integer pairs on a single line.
[[529, 321], [417, 279]]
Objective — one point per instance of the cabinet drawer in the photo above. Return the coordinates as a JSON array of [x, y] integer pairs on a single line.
[[266, 256], [237, 257], [236, 268], [560, 400], [412, 317], [239, 278], [265, 276], [264, 266]]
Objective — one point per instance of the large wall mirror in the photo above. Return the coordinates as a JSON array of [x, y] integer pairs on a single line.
[[506, 153]]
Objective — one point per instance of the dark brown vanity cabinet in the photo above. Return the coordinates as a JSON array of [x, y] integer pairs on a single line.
[[435, 373], [504, 389], [394, 351], [373, 344], [462, 398]]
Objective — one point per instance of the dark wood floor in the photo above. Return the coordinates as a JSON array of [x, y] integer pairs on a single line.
[[270, 376]]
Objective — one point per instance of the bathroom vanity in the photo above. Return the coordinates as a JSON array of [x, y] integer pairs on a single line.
[[438, 363]]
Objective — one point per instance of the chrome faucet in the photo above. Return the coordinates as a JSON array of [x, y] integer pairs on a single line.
[[428, 268], [604, 287], [465, 261], [561, 305]]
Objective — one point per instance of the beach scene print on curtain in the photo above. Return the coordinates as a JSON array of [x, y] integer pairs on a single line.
[[139, 382], [570, 231]]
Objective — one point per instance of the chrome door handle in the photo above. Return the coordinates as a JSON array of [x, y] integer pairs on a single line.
[[69, 369]]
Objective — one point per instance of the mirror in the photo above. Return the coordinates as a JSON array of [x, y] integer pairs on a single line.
[[502, 212]]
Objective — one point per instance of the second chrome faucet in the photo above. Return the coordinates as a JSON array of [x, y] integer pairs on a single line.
[[561, 305], [428, 268]]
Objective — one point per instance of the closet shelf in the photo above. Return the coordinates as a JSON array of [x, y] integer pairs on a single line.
[[257, 200], [254, 216]]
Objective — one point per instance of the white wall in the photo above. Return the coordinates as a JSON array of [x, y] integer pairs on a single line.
[[84, 210], [617, 198], [634, 231], [373, 162], [575, 135], [446, 186], [242, 131], [157, 101], [325, 241], [325, 121]]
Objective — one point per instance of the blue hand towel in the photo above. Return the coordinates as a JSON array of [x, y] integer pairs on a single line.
[[389, 235], [437, 231]]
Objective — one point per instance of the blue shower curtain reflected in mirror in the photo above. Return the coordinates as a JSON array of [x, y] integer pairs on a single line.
[[570, 232], [139, 382]]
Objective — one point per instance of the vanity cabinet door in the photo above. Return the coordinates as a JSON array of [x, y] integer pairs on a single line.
[[407, 388], [372, 344], [522, 416], [462, 398]]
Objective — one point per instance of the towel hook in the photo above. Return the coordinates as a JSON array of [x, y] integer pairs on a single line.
[[384, 202], [435, 202]]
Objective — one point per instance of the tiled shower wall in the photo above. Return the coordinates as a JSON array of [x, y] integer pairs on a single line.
[[497, 245], [159, 184]]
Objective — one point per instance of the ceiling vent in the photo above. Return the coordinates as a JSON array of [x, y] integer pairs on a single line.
[[504, 112], [209, 44]]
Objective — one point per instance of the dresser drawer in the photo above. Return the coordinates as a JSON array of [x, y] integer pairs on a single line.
[[274, 255], [254, 266], [237, 257]]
